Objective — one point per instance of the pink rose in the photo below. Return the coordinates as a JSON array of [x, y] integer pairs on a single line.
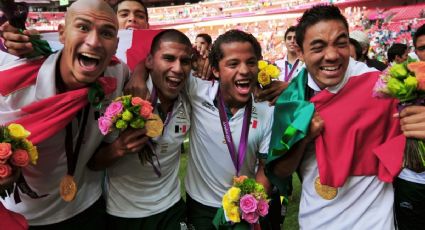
[[5, 171], [262, 208], [20, 158], [146, 111], [5, 151], [114, 109], [104, 124], [251, 217], [248, 203]]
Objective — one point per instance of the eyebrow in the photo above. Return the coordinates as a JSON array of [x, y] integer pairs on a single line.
[[108, 26], [127, 10]]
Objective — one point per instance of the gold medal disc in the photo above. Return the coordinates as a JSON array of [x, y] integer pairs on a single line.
[[154, 126], [68, 188], [326, 192]]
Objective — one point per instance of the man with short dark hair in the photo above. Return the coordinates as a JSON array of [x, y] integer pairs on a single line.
[[132, 14], [291, 65], [345, 160], [397, 53], [137, 197]]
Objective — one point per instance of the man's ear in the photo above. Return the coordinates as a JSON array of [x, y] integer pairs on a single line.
[[149, 62], [215, 72], [301, 56], [61, 30]]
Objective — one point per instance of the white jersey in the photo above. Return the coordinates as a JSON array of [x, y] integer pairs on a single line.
[[282, 63], [210, 168], [364, 202], [134, 190], [412, 176], [45, 176]]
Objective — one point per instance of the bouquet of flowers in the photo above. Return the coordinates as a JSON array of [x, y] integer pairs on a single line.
[[267, 73], [242, 205], [406, 82], [16, 152], [127, 111]]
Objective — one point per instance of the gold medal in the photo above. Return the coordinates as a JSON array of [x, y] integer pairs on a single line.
[[326, 192], [154, 126], [68, 188]]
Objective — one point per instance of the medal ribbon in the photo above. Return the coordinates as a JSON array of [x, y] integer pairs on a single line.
[[294, 67], [239, 159], [71, 153]]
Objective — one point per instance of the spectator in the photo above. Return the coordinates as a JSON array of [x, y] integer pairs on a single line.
[[397, 53], [363, 39]]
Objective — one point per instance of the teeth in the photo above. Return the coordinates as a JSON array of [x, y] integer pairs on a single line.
[[242, 82], [177, 80], [90, 56], [329, 68]]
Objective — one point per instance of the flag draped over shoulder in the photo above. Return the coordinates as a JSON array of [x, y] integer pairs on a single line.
[[360, 135], [12, 220]]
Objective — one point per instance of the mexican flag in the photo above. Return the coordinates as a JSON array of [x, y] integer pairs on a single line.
[[360, 136]]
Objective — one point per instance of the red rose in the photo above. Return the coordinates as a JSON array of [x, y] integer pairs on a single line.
[[5, 151], [5, 171], [20, 158], [146, 111]]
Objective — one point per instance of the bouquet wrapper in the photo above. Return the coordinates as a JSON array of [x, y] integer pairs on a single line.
[[221, 223]]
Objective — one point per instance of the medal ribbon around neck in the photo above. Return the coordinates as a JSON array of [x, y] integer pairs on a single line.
[[288, 76], [68, 187], [237, 160]]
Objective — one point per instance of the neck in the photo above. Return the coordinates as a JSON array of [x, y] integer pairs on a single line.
[[166, 103], [231, 104], [292, 57]]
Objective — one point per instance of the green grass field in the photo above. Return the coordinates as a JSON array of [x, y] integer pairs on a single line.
[[291, 221]]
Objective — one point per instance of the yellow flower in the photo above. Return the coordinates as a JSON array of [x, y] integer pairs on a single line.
[[233, 214], [234, 193], [262, 64], [272, 71], [32, 151], [17, 131], [226, 202], [263, 78]]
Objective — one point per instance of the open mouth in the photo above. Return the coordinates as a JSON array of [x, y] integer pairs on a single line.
[[330, 68], [173, 82], [243, 86], [89, 62]]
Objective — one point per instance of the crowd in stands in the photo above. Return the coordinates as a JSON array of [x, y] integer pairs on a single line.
[[384, 26]]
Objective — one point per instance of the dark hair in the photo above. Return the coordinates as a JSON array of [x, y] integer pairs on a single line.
[[314, 15], [357, 48], [170, 35], [139, 1], [419, 32], [230, 36], [397, 49], [290, 29], [206, 37]]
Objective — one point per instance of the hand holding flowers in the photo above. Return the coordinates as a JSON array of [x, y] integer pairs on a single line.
[[406, 82], [245, 201], [15, 152], [267, 73]]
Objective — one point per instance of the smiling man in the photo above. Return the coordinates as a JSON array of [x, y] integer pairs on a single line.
[[345, 143], [132, 14], [49, 97], [137, 197], [220, 108]]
